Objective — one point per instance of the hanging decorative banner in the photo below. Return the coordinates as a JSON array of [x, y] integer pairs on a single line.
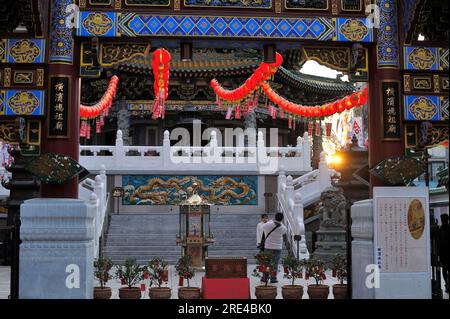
[[310, 128], [160, 66], [390, 101], [58, 111], [328, 127], [317, 128]]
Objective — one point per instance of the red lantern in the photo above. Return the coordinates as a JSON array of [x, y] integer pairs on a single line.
[[348, 103], [341, 106]]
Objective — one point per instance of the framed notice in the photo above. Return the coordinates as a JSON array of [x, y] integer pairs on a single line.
[[391, 117], [58, 106], [402, 242]]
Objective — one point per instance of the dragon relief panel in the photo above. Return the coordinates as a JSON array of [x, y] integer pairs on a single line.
[[173, 190]]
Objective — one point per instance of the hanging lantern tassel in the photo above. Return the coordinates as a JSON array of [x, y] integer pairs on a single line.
[[310, 128], [328, 128], [290, 122], [102, 120], [274, 113], [98, 128], [317, 128], [229, 113], [88, 131], [238, 112], [293, 124], [82, 130], [281, 114]]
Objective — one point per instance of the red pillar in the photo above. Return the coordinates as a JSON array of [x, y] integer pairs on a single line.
[[385, 63], [63, 61]]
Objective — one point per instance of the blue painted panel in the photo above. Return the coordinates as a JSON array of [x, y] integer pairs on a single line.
[[110, 24], [24, 102], [422, 108], [25, 51]]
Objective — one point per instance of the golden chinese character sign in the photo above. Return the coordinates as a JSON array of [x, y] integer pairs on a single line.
[[402, 241], [58, 113], [390, 101]]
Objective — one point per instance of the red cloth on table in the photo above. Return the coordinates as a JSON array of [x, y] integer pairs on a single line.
[[225, 288]]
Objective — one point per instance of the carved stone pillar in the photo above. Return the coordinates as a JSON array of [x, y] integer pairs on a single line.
[[57, 250], [123, 123]]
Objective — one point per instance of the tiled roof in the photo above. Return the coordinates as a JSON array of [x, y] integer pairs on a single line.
[[227, 67]]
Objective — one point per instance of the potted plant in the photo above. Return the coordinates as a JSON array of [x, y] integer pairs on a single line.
[[185, 271], [158, 274], [339, 264], [316, 268], [102, 266], [265, 265], [293, 269], [129, 274]]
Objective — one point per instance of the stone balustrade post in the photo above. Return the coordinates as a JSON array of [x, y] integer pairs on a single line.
[[289, 192], [324, 173], [299, 145], [104, 181], [57, 249], [306, 152], [119, 151], [98, 190], [94, 209], [300, 225], [166, 150], [362, 248]]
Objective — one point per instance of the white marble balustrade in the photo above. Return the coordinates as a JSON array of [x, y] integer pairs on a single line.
[[209, 159]]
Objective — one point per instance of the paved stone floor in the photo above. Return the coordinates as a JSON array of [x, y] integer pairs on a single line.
[[173, 282]]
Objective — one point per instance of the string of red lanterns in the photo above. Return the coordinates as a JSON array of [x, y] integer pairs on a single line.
[[356, 99], [248, 93], [264, 72], [160, 66], [97, 111]]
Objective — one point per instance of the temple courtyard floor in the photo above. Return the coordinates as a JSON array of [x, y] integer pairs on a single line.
[[195, 282]]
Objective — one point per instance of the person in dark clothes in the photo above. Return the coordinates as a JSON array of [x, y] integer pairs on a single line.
[[443, 248]]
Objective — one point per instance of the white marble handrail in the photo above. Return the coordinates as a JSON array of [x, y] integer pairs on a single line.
[[294, 195], [94, 193], [212, 158]]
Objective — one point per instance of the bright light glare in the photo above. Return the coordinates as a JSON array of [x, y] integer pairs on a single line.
[[336, 159]]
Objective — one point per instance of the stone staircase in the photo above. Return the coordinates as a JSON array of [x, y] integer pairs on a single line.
[[146, 236]]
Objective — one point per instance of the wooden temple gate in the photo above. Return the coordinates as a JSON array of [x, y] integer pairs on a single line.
[[40, 68]]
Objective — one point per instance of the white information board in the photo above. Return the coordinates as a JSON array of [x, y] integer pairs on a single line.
[[402, 242]]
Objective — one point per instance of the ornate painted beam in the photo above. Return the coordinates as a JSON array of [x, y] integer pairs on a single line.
[[131, 24]]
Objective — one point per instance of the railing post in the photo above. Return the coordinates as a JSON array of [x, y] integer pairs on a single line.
[[166, 150], [98, 190], [324, 173], [103, 176], [300, 226], [289, 192], [212, 150], [119, 151], [306, 152], [93, 207], [261, 151], [299, 146]]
